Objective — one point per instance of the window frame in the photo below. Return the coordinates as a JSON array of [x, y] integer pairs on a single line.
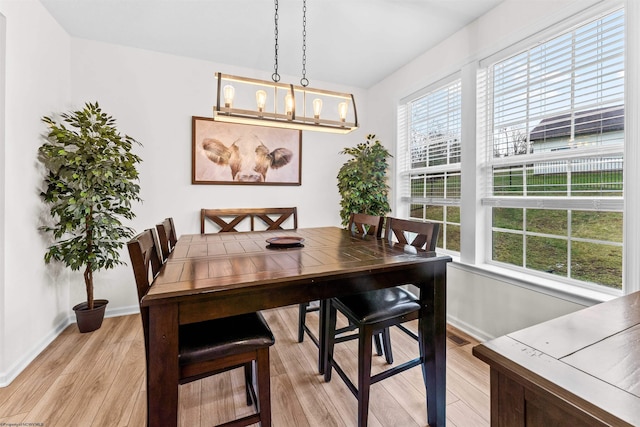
[[405, 172], [488, 201], [475, 223]]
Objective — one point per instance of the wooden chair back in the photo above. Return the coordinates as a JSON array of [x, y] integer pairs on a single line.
[[423, 235], [363, 225], [228, 219], [145, 260], [167, 237], [146, 263]]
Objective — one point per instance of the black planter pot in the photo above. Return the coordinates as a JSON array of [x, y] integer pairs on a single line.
[[90, 320]]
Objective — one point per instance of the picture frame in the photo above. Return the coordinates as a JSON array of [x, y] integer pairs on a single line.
[[240, 154]]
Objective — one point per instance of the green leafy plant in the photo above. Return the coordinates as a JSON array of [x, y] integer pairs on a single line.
[[362, 180], [90, 183]]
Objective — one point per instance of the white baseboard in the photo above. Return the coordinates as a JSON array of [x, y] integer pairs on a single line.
[[21, 364], [12, 373], [122, 311], [468, 329]]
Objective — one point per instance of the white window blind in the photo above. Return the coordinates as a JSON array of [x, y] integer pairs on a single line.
[[429, 158], [431, 145], [557, 115]]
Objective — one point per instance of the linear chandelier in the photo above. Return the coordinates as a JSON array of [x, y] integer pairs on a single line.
[[265, 103], [274, 104]]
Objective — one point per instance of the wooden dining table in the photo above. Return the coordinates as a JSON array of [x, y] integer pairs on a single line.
[[210, 276]]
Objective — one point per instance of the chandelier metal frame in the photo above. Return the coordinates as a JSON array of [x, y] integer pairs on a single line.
[[284, 105]]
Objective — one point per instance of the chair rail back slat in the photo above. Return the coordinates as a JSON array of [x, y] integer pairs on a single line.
[[423, 235], [167, 237], [363, 225], [228, 219], [145, 260]]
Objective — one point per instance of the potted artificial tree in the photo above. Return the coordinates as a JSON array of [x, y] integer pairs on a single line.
[[362, 180], [91, 180]]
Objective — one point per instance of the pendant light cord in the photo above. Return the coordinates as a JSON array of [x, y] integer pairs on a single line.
[[304, 81], [275, 76]]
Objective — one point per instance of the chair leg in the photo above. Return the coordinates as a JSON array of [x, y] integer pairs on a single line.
[[364, 373], [302, 316], [248, 381], [378, 344], [382, 340], [264, 386], [330, 341], [386, 339]]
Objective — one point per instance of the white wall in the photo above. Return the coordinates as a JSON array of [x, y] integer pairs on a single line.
[[3, 33], [487, 306], [37, 81]]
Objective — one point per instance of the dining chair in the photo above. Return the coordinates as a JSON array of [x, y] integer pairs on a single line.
[[375, 310], [167, 237], [211, 347], [360, 225]]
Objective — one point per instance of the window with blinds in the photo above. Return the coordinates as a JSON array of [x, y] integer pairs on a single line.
[[431, 152], [554, 127]]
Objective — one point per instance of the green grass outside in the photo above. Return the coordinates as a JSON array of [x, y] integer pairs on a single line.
[[510, 182], [599, 262]]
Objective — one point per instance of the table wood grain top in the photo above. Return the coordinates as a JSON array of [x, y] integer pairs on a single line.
[[223, 262], [590, 358]]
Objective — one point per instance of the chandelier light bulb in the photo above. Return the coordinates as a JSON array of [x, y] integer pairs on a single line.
[[229, 93], [288, 104], [342, 111], [261, 99], [317, 107]]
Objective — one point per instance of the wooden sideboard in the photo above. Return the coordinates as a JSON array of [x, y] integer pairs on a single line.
[[582, 369]]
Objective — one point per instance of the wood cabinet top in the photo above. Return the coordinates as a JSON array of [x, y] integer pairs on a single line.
[[590, 358]]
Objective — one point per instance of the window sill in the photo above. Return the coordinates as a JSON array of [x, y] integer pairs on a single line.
[[557, 289]]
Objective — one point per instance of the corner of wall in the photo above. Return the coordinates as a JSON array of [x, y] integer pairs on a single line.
[[3, 38]]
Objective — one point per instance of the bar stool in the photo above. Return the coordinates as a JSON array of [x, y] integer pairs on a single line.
[[376, 310]]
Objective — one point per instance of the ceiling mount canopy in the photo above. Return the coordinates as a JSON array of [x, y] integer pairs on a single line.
[[275, 104]]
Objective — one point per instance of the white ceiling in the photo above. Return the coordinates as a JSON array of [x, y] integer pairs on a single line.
[[350, 42]]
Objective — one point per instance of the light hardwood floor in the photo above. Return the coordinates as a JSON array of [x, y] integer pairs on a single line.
[[97, 379]]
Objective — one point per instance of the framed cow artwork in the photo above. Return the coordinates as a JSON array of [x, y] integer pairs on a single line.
[[230, 153]]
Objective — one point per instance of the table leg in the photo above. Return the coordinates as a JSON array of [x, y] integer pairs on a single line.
[[162, 366], [322, 334], [433, 329]]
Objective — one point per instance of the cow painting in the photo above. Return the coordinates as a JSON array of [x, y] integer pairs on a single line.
[[248, 158], [229, 153]]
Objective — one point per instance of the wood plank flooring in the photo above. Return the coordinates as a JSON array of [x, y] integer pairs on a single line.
[[98, 379]]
